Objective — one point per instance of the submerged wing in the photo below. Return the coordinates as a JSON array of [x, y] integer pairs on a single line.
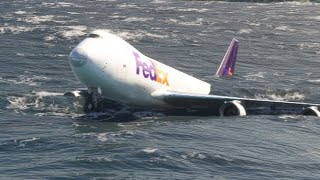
[[214, 103], [228, 63]]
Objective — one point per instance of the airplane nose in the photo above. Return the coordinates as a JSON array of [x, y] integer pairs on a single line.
[[78, 57]]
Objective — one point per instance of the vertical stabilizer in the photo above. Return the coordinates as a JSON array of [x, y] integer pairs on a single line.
[[229, 61]]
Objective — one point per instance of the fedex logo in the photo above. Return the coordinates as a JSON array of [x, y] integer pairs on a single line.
[[150, 71]]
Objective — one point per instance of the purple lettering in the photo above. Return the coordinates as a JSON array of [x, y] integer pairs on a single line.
[[145, 70], [152, 71], [137, 57]]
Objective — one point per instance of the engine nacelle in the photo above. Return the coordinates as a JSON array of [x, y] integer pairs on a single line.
[[232, 108], [311, 111]]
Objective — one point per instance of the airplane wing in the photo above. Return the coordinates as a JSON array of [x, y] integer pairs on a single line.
[[228, 106]]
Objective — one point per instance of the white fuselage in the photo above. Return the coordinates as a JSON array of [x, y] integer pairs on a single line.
[[121, 73]]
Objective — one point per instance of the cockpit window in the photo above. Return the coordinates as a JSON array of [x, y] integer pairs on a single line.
[[94, 36]]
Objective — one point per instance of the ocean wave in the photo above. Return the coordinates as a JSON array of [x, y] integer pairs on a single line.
[[71, 32], [197, 22], [60, 5], [245, 31], [255, 76], [110, 137], [308, 45], [137, 35], [289, 96], [314, 81], [285, 28], [37, 19], [137, 19], [150, 150], [192, 10], [16, 29], [22, 143], [44, 103], [127, 6], [313, 17], [26, 79], [193, 155], [20, 12]]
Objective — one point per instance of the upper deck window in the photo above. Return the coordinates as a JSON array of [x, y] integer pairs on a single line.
[[92, 35]]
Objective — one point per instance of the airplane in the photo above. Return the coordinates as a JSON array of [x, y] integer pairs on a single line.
[[112, 68]]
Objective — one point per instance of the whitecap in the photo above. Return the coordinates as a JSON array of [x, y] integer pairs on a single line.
[[29, 140], [315, 81], [295, 96], [31, 80], [20, 12], [50, 37], [70, 32], [245, 31], [102, 137], [46, 93], [313, 17], [255, 76], [149, 150], [284, 28], [37, 19], [18, 103], [137, 19], [308, 45], [15, 29], [127, 6], [193, 10]]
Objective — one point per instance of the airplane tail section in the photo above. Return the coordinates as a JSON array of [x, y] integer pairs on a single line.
[[229, 61]]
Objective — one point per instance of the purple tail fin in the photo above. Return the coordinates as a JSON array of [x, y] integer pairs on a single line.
[[229, 61]]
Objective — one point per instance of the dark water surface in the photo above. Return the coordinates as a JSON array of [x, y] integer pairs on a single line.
[[41, 136]]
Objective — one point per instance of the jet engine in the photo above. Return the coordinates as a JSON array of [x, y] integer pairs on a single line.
[[311, 111], [232, 108]]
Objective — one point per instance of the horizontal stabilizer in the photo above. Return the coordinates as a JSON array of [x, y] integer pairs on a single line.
[[229, 61]]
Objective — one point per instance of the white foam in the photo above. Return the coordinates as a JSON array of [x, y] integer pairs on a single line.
[[255, 76], [313, 18], [20, 12], [245, 31], [308, 45], [297, 3], [17, 103], [158, 2], [50, 37], [284, 28], [137, 19], [136, 35], [197, 22], [73, 13], [286, 117], [45, 93], [72, 31], [315, 81], [37, 19], [193, 155], [31, 80], [149, 150], [29, 140], [22, 143], [15, 29], [295, 96], [102, 137], [127, 6], [254, 24], [193, 10]]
